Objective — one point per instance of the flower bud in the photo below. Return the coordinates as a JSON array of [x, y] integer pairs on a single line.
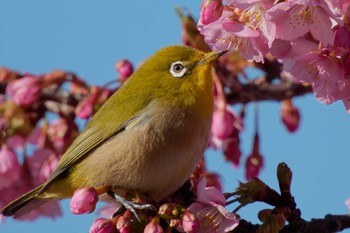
[[24, 91], [176, 223], [102, 225], [169, 211], [124, 225], [125, 69], [84, 201], [85, 108], [223, 123], [290, 115], [254, 161], [153, 227], [190, 223], [257, 190], [231, 149], [211, 11]]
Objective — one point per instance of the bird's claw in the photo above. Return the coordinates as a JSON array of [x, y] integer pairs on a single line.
[[131, 206]]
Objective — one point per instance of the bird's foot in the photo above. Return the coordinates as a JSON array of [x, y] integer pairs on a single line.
[[130, 205]]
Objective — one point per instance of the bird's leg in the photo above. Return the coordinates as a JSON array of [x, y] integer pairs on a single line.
[[129, 205]]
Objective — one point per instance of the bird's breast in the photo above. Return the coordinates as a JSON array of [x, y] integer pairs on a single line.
[[155, 154]]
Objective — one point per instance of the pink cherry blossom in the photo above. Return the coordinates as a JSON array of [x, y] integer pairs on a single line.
[[211, 11], [253, 14], [190, 223], [16, 143], [85, 108], [35, 162], [84, 201], [232, 150], [324, 72], [228, 33], [223, 123], [341, 39], [210, 211], [102, 225], [125, 69], [255, 160], [124, 225], [10, 169], [302, 16], [290, 116], [153, 227], [48, 167], [24, 91]]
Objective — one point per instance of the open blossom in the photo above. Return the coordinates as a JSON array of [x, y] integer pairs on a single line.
[[293, 19], [323, 71], [229, 33], [253, 14], [210, 211], [190, 223], [24, 91]]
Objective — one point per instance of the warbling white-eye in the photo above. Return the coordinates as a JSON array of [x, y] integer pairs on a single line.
[[147, 138]]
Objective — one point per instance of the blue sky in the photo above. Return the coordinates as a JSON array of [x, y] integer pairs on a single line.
[[88, 37]]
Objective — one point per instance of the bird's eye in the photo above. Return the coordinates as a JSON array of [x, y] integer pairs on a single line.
[[177, 69]]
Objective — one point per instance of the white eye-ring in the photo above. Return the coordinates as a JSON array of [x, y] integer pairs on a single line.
[[177, 69]]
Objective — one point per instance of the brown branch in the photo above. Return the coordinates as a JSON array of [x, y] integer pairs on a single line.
[[328, 224], [267, 91]]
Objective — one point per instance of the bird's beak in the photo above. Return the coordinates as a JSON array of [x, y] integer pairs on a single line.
[[209, 57]]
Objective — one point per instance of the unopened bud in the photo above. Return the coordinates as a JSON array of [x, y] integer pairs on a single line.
[[290, 115], [84, 201], [211, 11]]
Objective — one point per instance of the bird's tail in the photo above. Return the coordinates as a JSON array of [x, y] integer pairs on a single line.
[[24, 203]]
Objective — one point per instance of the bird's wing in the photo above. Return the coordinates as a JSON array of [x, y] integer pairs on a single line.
[[111, 119]]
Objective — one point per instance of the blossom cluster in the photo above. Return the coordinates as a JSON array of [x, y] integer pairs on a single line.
[[206, 214], [38, 123], [310, 38]]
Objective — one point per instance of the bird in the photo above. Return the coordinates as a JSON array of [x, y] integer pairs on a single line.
[[146, 138]]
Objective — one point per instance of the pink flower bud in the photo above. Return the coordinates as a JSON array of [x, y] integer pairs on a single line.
[[190, 223], [290, 116], [48, 167], [85, 108], [223, 124], [125, 69], [254, 161], [24, 91], [153, 228], [102, 225], [211, 11], [124, 225], [232, 151], [9, 167], [84, 201]]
